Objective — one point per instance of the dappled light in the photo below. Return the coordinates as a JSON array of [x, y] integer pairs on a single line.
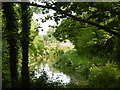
[[60, 45]]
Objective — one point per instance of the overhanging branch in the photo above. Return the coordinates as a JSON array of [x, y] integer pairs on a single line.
[[76, 18]]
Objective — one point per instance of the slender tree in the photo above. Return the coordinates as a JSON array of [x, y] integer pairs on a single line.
[[11, 29], [25, 44]]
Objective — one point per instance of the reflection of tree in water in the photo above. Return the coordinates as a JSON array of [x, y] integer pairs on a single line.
[[52, 76]]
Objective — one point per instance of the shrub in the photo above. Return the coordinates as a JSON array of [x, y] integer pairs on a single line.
[[107, 76], [71, 61], [44, 82]]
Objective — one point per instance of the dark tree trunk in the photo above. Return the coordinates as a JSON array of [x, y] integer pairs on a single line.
[[25, 44], [117, 46], [11, 29]]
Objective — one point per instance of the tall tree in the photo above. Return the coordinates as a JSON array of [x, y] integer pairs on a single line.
[[25, 44], [11, 29]]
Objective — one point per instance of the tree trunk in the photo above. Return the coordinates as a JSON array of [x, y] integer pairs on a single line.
[[25, 44], [117, 46], [11, 29]]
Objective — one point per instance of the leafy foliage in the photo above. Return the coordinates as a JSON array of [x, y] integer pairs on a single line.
[[71, 62], [44, 82], [107, 76], [100, 73], [5, 65], [91, 30], [87, 39]]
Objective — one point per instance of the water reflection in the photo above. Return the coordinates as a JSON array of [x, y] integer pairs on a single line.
[[53, 76]]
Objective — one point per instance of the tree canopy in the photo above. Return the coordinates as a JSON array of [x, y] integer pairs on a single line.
[[101, 15], [92, 27]]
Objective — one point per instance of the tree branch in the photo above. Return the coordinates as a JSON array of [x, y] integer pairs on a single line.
[[76, 18]]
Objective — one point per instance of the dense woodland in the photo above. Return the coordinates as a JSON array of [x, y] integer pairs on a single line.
[[92, 27]]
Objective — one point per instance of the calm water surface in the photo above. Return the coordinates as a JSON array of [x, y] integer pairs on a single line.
[[53, 74]]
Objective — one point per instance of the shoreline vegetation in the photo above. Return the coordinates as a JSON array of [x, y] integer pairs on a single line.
[[83, 46]]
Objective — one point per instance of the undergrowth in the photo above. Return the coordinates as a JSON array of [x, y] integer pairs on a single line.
[[99, 72]]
